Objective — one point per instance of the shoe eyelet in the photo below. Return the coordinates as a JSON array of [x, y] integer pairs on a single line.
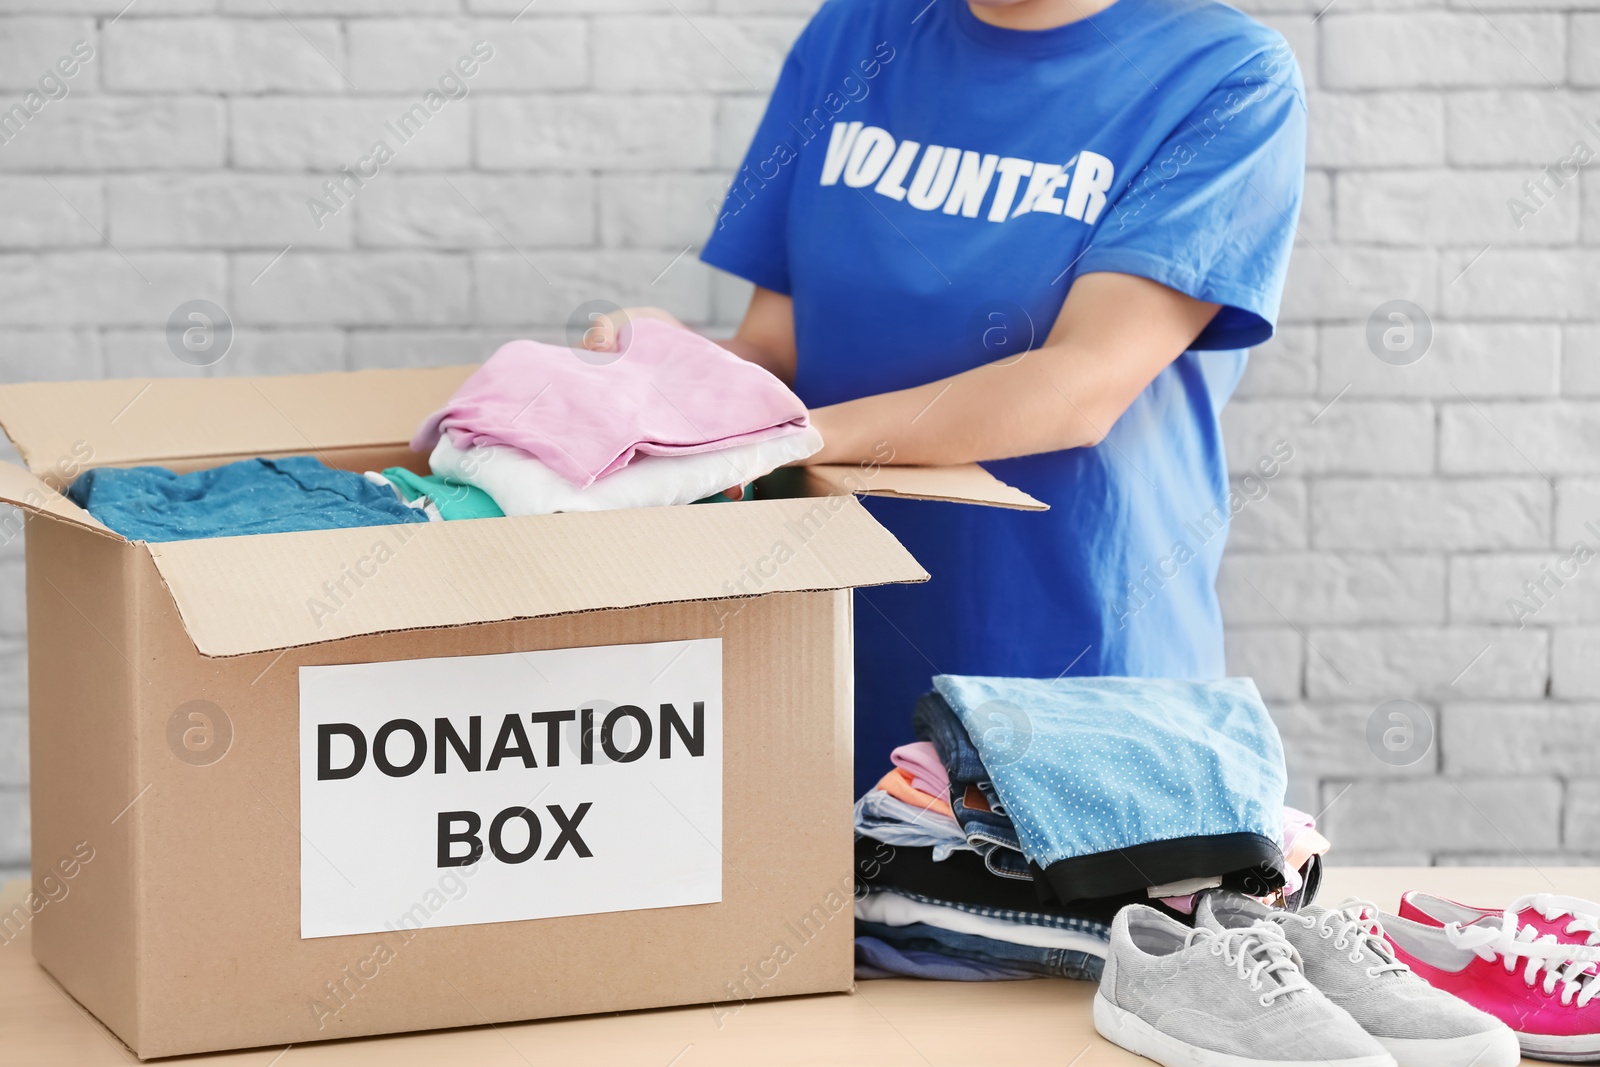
[[1266, 1001], [1326, 933]]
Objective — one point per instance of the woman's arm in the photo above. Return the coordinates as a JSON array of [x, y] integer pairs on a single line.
[[1115, 333], [766, 336]]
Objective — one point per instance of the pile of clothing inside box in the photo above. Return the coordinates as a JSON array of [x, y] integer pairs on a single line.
[[1004, 840], [668, 418]]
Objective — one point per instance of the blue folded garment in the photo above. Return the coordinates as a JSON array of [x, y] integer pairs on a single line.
[[894, 822], [252, 496], [879, 959], [927, 940], [1118, 784]]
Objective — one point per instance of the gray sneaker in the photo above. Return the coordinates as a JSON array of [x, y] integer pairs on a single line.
[[1343, 953], [1220, 998]]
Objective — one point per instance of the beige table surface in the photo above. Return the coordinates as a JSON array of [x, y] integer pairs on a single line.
[[884, 1023]]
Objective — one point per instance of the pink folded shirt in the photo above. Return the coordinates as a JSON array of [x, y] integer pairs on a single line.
[[670, 392], [921, 761], [1300, 842]]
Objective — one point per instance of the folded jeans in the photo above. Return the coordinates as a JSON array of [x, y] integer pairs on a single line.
[[876, 958], [933, 721], [1050, 962]]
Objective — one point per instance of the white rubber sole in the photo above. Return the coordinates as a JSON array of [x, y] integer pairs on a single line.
[[1577, 1048], [1121, 1027], [1497, 1048]]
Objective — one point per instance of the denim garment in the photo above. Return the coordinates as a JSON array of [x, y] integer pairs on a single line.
[[1024, 926], [934, 722], [1006, 862], [1050, 962], [252, 496], [891, 820], [879, 959], [1178, 778]]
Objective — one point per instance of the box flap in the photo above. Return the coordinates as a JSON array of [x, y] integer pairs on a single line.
[[126, 421], [240, 595], [30, 494], [965, 483]]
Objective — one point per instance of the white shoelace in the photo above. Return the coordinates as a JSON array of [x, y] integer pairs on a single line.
[[1585, 919], [1259, 953], [1353, 925], [1570, 966]]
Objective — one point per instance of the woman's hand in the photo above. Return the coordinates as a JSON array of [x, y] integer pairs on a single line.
[[605, 330], [605, 333], [839, 443], [765, 337]]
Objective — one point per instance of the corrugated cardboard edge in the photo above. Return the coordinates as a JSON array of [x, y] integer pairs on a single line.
[[24, 490], [243, 595], [86, 755], [174, 421], [965, 483]]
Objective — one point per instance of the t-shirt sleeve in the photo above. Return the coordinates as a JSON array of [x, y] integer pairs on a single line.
[[751, 234], [1213, 216]]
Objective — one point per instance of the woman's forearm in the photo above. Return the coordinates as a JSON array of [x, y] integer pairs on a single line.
[[1115, 333], [752, 352], [766, 336], [1045, 400]]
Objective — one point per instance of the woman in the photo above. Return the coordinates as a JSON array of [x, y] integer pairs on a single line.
[[1038, 234]]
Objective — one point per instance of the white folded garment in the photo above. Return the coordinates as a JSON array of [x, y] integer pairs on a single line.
[[522, 485], [890, 908]]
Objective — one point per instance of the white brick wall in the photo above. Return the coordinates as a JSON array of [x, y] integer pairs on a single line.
[[1435, 490], [1377, 567]]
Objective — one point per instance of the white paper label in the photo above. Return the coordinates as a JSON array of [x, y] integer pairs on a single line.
[[481, 789]]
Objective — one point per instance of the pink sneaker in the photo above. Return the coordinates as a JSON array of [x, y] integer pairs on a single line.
[[1542, 988], [1570, 920]]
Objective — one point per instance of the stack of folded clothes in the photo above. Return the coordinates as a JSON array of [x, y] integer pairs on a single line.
[[927, 906], [672, 418], [1042, 807]]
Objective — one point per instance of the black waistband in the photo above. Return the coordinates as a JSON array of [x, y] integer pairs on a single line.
[[1249, 862]]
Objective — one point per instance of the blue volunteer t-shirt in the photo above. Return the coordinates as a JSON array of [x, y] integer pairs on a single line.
[[926, 187]]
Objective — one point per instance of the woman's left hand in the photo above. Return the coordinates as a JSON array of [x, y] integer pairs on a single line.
[[837, 441], [605, 328]]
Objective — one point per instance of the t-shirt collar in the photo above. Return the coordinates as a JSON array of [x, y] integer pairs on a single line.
[[1088, 32]]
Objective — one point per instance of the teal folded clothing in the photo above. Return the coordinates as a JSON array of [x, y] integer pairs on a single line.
[[455, 500], [252, 496]]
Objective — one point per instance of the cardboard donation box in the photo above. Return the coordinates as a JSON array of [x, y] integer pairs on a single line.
[[300, 786]]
